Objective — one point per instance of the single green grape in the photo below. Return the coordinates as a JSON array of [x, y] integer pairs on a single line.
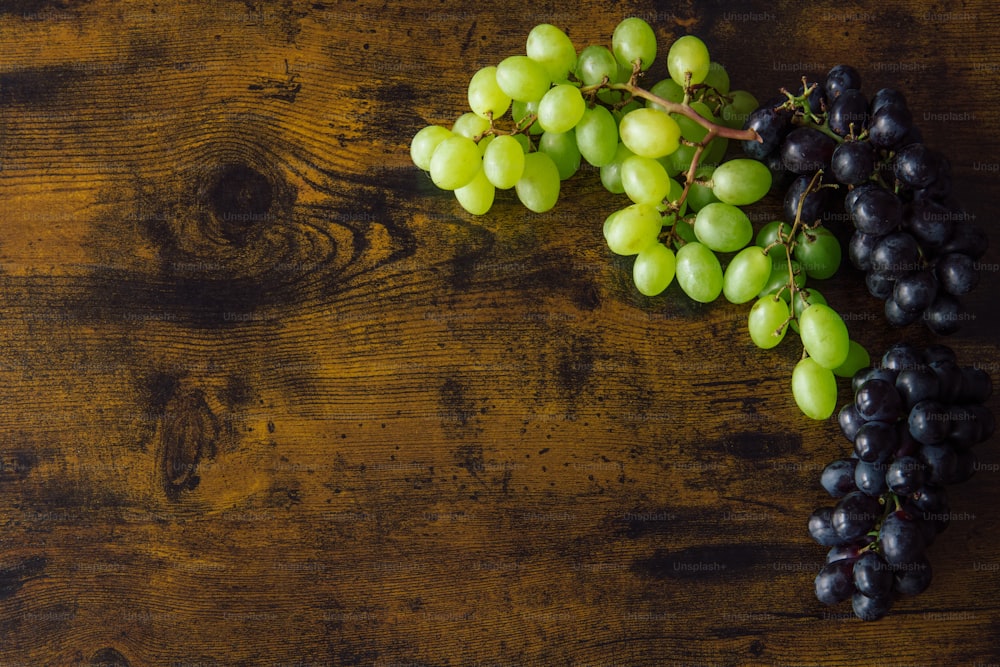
[[857, 358], [634, 39], [803, 299], [779, 274], [715, 151], [688, 54], [595, 64], [814, 389], [611, 173], [522, 111], [538, 187], [769, 233], [768, 322], [691, 129], [597, 136], [645, 180], [741, 182], [649, 132], [423, 144], [818, 251], [699, 273], [561, 108], [746, 275], [668, 90], [735, 113], [717, 78], [723, 227], [476, 197], [470, 125], [561, 147], [522, 79], [455, 162], [653, 270], [824, 335], [679, 161], [549, 46], [486, 97], [634, 229], [503, 162], [700, 196]]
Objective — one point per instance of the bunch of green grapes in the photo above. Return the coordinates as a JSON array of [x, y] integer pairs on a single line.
[[535, 117]]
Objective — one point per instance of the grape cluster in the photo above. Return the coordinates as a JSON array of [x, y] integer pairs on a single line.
[[916, 245], [913, 424]]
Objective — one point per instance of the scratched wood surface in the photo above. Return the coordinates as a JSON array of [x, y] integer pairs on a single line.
[[270, 398]]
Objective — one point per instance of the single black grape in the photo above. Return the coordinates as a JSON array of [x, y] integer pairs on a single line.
[[941, 463], [868, 608], [915, 166], [850, 421], [870, 478], [806, 150], [772, 124], [886, 96], [905, 475], [880, 285], [813, 206], [913, 578], [853, 162], [838, 477], [915, 291], [938, 352], [889, 125], [967, 238], [949, 376], [965, 427], [876, 211], [875, 441], [822, 530], [902, 356], [957, 273], [872, 575], [928, 422], [897, 316], [900, 539], [930, 222], [877, 399], [835, 582], [848, 114], [855, 515], [896, 254], [839, 79]]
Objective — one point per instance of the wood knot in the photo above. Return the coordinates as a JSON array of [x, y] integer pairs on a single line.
[[240, 199], [188, 435], [107, 657]]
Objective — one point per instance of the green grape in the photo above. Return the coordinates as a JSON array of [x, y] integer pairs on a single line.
[[723, 227], [597, 136], [857, 358], [803, 299], [645, 180], [735, 113], [484, 143], [685, 231], [768, 234], [814, 389], [668, 90], [679, 161], [520, 111], [503, 162], [653, 270], [522, 79], [688, 54], [550, 46], [470, 125], [818, 251], [633, 39], [699, 273], [523, 141], [717, 78], [561, 108], [649, 132], [700, 196], [824, 335], [477, 196], [633, 229], [611, 173], [609, 221], [768, 322], [485, 96], [594, 64], [455, 162], [561, 147], [538, 187], [691, 129], [741, 182], [746, 275], [779, 275], [424, 142]]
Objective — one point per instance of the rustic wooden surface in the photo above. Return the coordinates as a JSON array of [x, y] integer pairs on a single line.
[[337, 421]]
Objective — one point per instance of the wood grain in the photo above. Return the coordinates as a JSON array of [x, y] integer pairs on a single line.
[[271, 398]]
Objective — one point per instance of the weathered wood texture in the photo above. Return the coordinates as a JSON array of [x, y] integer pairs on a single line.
[[336, 421]]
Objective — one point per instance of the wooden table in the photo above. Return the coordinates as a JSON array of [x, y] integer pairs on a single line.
[[337, 421]]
